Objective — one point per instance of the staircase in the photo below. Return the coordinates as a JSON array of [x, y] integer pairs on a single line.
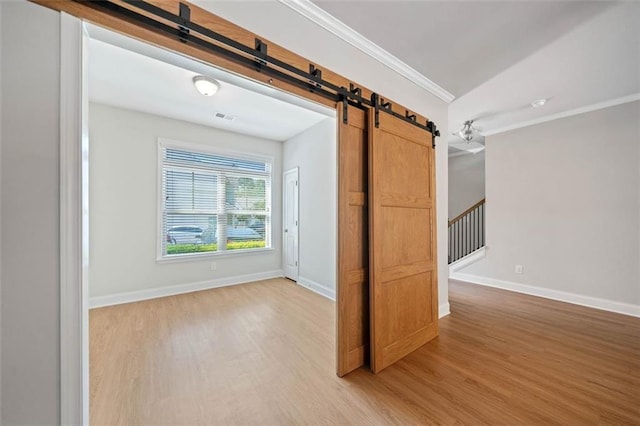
[[466, 232]]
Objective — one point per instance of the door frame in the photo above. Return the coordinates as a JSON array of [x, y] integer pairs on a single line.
[[73, 293], [284, 205], [74, 298]]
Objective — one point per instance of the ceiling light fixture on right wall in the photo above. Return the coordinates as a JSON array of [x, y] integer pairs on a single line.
[[538, 103]]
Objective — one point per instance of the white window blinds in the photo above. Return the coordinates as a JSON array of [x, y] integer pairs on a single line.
[[213, 203]]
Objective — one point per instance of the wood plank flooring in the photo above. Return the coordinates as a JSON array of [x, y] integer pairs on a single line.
[[263, 353]]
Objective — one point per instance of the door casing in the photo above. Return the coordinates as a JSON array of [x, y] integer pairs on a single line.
[[290, 223]]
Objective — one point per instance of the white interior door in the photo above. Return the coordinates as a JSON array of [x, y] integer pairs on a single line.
[[290, 225]]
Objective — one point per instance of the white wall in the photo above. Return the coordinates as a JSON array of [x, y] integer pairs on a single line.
[[314, 152], [466, 182], [316, 44], [29, 264], [123, 166], [563, 200]]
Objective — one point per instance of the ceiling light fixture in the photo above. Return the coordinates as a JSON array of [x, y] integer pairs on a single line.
[[467, 131], [206, 85], [538, 103]]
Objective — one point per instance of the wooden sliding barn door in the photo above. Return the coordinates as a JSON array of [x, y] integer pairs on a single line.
[[353, 249], [402, 239]]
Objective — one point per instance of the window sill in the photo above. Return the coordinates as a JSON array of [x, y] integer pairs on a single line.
[[194, 257]]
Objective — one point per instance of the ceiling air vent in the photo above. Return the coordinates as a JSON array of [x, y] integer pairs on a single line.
[[225, 116]]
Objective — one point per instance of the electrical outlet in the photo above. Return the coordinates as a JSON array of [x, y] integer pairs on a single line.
[[519, 269], [214, 266]]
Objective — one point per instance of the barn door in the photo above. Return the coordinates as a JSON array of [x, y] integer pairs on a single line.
[[352, 340], [402, 238]]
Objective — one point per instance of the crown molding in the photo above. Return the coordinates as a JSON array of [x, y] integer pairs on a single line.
[[325, 20], [464, 152], [565, 114], [458, 154]]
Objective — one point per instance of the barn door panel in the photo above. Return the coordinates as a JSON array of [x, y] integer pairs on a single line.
[[353, 249], [403, 276]]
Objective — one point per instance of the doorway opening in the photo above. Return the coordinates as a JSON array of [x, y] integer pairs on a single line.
[[185, 192], [366, 123]]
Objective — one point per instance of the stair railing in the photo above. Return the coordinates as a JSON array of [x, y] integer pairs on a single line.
[[466, 232]]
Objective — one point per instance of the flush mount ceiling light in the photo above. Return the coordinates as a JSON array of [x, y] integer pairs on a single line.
[[538, 103], [206, 85], [467, 132]]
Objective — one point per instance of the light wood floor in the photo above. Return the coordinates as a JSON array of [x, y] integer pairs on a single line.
[[263, 353]]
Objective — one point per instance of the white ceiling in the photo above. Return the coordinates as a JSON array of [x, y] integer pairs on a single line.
[[498, 57], [596, 64], [129, 74], [461, 44]]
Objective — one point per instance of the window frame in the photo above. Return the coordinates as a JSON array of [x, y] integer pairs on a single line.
[[164, 143]]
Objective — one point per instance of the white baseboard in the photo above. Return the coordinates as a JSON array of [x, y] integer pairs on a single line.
[[468, 260], [316, 287], [562, 296], [444, 310], [153, 293]]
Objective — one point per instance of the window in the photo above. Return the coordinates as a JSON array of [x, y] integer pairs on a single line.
[[213, 202]]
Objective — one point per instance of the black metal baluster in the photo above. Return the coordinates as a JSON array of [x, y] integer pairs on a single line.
[[470, 238], [449, 245], [476, 213], [483, 224], [459, 239], [452, 241], [465, 249], [475, 229], [472, 225], [466, 235], [455, 240], [462, 240], [469, 229]]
